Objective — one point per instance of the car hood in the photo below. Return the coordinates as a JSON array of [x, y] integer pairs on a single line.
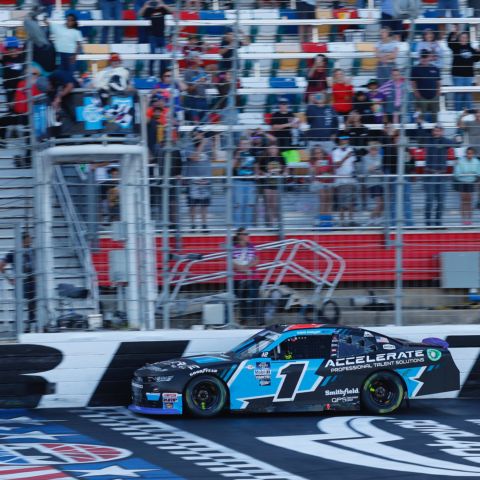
[[190, 363]]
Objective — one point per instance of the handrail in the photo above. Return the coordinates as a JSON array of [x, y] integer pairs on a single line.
[[277, 268], [77, 234]]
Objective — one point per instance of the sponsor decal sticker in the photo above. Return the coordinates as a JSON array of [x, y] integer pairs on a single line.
[[203, 370], [389, 346], [434, 355], [263, 373]]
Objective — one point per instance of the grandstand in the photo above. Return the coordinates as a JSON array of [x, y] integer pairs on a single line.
[[233, 65]]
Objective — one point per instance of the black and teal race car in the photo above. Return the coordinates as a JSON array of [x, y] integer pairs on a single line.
[[304, 367]]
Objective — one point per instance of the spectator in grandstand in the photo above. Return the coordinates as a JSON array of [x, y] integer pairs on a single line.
[[155, 11], [115, 78], [227, 46], [475, 5], [198, 170], [221, 109], [390, 19], [317, 76], [430, 42], [246, 279], [12, 62], [387, 52], [270, 167], [342, 93], [194, 44], [306, 11], [166, 85], [112, 196], [450, 5], [27, 268], [363, 106], [377, 100], [426, 83], [196, 79], [471, 127], [343, 158], [372, 170], [394, 91], [323, 122], [389, 141], [463, 73], [283, 121], [322, 170], [435, 164], [68, 42], [244, 186], [466, 175], [111, 10]]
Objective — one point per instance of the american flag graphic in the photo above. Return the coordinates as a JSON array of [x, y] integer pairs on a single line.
[[32, 473]]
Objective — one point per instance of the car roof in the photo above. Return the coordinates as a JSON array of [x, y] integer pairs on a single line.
[[280, 328]]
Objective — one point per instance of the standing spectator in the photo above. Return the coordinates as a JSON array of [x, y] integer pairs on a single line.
[[244, 186], [389, 142], [155, 11], [166, 85], [464, 58], [317, 76], [430, 42], [359, 134], [227, 50], [466, 175], [426, 83], [193, 45], [475, 5], [344, 160], [111, 10], [373, 170], [196, 79], [246, 279], [389, 18], [112, 200], [363, 106], [283, 122], [306, 11], [386, 51], [394, 90], [451, 5], [68, 42], [271, 167], [142, 31], [323, 171], [199, 168], [13, 63], [27, 258], [435, 164], [377, 100], [323, 122], [342, 93]]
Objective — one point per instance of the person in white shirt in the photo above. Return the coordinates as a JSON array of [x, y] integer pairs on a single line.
[[344, 161], [67, 40], [114, 78]]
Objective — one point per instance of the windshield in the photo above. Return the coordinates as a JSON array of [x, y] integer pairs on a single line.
[[254, 345]]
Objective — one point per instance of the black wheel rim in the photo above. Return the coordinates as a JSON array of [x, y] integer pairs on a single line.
[[383, 392], [206, 396]]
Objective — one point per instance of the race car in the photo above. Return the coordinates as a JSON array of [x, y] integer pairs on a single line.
[[303, 367]]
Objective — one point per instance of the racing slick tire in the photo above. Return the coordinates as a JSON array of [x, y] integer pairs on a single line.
[[382, 393], [205, 396], [329, 312]]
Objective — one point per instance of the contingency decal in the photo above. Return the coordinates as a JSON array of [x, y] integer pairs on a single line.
[[35, 448], [370, 442]]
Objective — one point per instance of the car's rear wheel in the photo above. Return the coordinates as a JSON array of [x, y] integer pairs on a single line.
[[205, 396], [382, 393]]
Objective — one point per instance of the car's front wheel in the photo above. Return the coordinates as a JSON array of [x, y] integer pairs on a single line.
[[205, 396], [382, 393]]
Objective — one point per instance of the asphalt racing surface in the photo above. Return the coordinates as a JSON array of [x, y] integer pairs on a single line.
[[431, 439]]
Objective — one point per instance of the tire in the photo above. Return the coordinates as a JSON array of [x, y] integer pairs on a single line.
[[382, 393], [205, 396], [329, 313]]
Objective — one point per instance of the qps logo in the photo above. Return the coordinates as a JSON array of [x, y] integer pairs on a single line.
[[370, 442]]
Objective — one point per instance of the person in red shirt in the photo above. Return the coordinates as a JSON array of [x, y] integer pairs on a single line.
[[342, 93], [322, 170], [317, 76]]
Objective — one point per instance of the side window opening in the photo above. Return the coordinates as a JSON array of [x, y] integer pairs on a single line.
[[304, 347]]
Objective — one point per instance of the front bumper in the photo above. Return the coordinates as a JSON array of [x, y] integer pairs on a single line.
[[147, 398]]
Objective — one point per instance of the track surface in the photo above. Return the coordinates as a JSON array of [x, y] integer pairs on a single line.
[[432, 439]]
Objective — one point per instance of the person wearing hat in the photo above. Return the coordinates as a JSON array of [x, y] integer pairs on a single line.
[[426, 82], [430, 42], [282, 122], [323, 122], [156, 11], [114, 78], [344, 158]]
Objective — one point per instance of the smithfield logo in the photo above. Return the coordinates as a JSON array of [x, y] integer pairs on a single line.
[[434, 355], [341, 392], [357, 441]]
